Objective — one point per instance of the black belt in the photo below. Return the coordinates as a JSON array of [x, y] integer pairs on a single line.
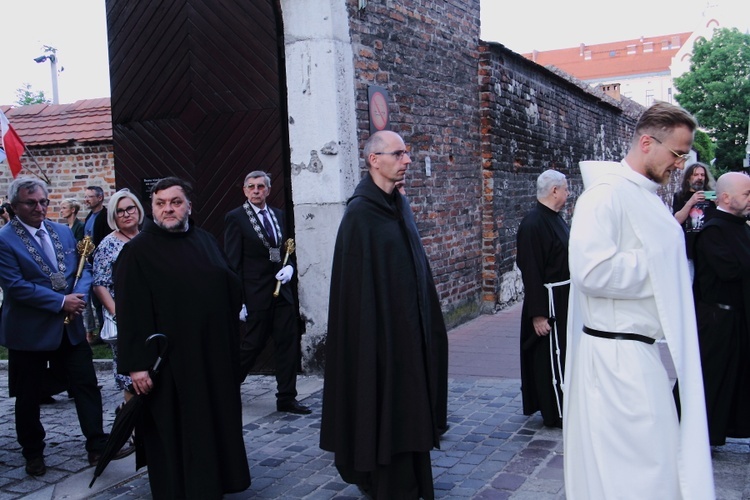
[[618, 336]]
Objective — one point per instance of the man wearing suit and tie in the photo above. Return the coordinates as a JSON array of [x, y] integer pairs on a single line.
[[253, 241], [38, 262]]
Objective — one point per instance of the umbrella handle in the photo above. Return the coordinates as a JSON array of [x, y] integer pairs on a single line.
[[161, 346]]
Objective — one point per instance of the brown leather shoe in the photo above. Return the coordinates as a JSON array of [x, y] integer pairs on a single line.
[[127, 449], [35, 466]]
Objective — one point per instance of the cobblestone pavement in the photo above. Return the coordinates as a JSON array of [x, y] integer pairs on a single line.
[[491, 451]]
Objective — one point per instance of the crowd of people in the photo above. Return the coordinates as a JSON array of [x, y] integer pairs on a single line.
[[599, 293], [627, 273]]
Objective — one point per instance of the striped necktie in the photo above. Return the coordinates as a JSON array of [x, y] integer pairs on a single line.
[[46, 246], [269, 228]]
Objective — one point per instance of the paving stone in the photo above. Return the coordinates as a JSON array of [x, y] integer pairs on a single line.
[[492, 450], [509, 482]]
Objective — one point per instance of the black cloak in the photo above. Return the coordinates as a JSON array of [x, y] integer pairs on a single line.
[[722, 293], [386, 371], [542, 257], [180, 284]]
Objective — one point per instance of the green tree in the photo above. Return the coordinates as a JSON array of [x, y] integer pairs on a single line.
[[717, 91], [25, 96], [704, 147]]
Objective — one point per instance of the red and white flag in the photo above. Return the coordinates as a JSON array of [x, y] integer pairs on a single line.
[[12, 144]]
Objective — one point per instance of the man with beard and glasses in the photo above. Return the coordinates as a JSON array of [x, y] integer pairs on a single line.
[[173, 278], [630, 286], [690, 206]]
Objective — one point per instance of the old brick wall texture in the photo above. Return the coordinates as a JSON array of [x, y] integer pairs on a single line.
[[425, 54], [491, 122], [70, 169]]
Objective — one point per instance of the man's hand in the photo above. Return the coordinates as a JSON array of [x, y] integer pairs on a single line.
[[285, 274], [541, 325], [243, 313], [142, 383], [697, 197], [73, 304]]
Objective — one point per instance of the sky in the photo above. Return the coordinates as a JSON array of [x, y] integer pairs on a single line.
[[527, 25], [77, 29]]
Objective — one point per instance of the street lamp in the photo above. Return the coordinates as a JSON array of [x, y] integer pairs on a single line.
[[53, 68]]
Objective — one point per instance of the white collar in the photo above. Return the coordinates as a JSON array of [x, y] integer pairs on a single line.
[[30, 229], [257, 210]]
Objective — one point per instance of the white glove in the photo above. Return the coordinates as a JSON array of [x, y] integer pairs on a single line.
[[285, 274], [243, 313]]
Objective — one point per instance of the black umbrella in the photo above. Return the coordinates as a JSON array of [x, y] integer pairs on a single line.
[[129, 414]]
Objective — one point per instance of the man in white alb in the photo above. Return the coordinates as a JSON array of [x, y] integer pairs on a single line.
[[630, 286]]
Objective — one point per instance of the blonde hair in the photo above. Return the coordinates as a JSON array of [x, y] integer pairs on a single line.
[[112, 208]]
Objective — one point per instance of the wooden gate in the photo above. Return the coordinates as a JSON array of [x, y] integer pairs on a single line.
[[198, 91]]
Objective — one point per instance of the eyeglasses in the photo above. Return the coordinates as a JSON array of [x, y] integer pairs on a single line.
[[678, 156], [396, 154], [32, 204], [120, 212]]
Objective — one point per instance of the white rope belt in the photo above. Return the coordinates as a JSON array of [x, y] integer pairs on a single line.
[[554, 350]]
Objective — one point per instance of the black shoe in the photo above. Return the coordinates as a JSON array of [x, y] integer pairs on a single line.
[[557, 423], [35, 466], [47, 400], [293, 406], [95, 456]]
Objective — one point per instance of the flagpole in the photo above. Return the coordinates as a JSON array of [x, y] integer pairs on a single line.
[[45, 178]]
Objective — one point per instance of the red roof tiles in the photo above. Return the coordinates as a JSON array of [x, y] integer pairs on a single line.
[[88, 120], [646, 55]]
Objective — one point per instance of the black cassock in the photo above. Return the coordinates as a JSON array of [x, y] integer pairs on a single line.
[[180, 284], [722, 293], [542, 257], [385, 392]]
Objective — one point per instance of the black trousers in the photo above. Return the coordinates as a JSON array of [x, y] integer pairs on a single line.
[[26, 378], [280, 323]]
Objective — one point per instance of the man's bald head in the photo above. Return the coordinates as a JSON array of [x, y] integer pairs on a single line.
[[733, 193]]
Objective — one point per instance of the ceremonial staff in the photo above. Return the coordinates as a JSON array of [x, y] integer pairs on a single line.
[[85, 248], [289, 247]]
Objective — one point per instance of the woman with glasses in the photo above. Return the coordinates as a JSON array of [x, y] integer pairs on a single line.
[[124, 215], [69, 211]]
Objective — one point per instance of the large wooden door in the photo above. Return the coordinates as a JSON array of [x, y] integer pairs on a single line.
[[198, 92]]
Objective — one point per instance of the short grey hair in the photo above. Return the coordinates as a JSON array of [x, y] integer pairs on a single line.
[[548, 180], [112, 208], [258, 173], [27, 184]]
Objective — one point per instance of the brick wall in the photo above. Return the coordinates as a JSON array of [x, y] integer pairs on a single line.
[[533, 119], [425, 54], [70, 169]]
